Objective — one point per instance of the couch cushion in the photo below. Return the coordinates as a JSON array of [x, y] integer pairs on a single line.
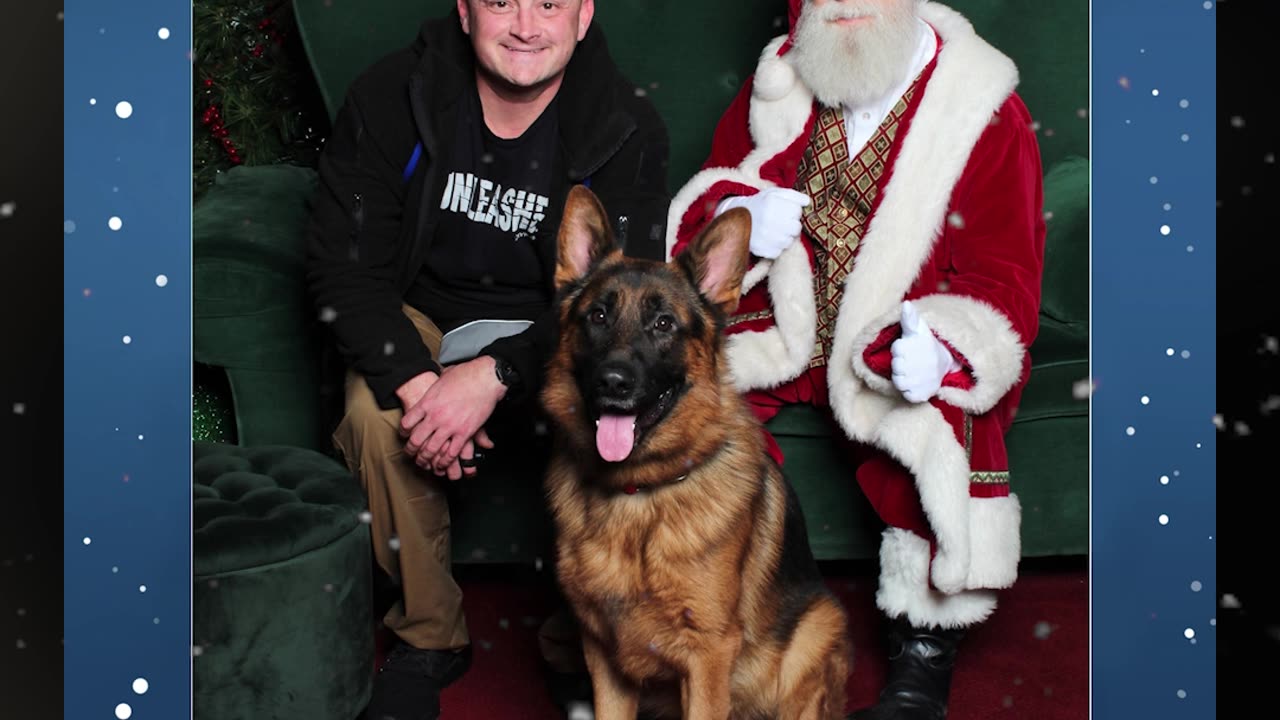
[[281, 600], [261, 505]]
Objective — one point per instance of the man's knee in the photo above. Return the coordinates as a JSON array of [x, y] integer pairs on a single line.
[[367, 429]]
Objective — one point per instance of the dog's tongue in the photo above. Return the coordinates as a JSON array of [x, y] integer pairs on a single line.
[[615, 434]]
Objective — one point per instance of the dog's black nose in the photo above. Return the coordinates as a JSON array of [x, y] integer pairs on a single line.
[[616, 382]]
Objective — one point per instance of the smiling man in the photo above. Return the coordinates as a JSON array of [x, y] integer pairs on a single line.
[[441, 185], [894, 184]]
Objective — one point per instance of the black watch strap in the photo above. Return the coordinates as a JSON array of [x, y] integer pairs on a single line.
[[506, 372]]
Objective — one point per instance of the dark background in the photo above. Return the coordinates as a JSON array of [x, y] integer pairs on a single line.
[[1248, 353], [31, 217]]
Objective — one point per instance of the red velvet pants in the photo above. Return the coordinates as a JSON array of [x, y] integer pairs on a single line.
[[888, 485]]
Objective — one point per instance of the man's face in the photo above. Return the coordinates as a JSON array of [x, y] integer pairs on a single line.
[[524, 44]]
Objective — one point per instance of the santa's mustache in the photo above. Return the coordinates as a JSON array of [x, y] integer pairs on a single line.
[[844, 11]]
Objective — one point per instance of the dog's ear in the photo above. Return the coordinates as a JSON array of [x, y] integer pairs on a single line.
[[716, 259], [585, 236]]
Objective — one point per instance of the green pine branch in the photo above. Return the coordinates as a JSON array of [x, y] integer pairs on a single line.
[[267, 99]]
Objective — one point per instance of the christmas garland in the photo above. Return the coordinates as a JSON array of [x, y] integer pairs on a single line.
[[255, 100]]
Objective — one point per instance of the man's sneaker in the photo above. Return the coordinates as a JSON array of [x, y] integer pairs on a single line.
[[408, 685]]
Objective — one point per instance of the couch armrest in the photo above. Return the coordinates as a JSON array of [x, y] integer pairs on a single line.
[[1065, 287], [249, 302]]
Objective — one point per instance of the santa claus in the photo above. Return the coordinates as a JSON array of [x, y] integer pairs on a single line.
[[894, 184]]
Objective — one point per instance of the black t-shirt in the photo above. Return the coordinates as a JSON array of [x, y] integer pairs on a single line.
[[483, 261]]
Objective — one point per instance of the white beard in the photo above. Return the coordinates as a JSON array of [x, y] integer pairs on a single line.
[[858, 64]]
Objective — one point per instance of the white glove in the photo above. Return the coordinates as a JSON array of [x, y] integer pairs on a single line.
[[920, 360], [775, 218]]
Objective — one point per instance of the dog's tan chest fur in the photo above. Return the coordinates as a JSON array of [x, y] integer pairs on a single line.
[[652, 608]]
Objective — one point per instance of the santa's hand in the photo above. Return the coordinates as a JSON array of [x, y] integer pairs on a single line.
[[775, 218], [920, 360]]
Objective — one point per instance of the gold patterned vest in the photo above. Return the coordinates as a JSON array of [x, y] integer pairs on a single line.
[[844, 190]]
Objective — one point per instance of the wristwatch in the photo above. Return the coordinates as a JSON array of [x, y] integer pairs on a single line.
[[506, 372]]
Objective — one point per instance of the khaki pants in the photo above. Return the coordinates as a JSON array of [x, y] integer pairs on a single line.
[[410, 526], [410, 513]]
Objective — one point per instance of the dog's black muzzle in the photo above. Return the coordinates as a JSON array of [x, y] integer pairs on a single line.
[[618, 386]]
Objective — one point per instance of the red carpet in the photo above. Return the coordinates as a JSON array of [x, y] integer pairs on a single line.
[[1030, 660]]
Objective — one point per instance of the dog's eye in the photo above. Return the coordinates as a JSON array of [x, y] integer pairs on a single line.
[[597, 316], [664, 323]]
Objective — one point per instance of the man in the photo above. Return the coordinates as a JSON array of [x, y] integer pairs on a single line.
[[887, 137], [441, 187]]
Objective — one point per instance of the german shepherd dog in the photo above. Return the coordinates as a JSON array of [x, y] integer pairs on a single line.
[[680, 546]]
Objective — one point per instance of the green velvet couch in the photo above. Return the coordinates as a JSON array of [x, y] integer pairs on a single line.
[[253, 320]]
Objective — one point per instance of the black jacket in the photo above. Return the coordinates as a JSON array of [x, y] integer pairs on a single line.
[[371, 226]]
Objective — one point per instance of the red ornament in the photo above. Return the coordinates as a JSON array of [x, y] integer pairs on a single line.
[[208, 82]]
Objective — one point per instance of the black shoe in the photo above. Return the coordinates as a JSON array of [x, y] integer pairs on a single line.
[[408, 685], [920, 664]]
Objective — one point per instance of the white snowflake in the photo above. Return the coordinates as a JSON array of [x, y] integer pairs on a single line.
[[1082, 389]]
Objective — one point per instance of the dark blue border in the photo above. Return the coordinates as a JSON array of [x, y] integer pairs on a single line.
[[1153, 336], [128, 404]]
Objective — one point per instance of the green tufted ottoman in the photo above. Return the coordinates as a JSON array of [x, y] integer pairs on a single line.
[[282, 614]]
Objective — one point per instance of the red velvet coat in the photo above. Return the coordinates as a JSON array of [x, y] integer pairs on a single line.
[[959, 230]]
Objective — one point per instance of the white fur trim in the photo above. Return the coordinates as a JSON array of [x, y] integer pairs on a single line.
[[904, 587], [776, 122], [774, 78], [875, 382], [757, 273], [976, 329], [770, 357], [986, 338], [773, 124], [922, 440], [697, 186], [995, 531]]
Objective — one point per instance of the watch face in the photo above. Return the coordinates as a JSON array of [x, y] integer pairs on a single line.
[[506, 373]]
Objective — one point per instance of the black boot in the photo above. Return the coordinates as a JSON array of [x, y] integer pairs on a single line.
[[408, 685], [920, 663]]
